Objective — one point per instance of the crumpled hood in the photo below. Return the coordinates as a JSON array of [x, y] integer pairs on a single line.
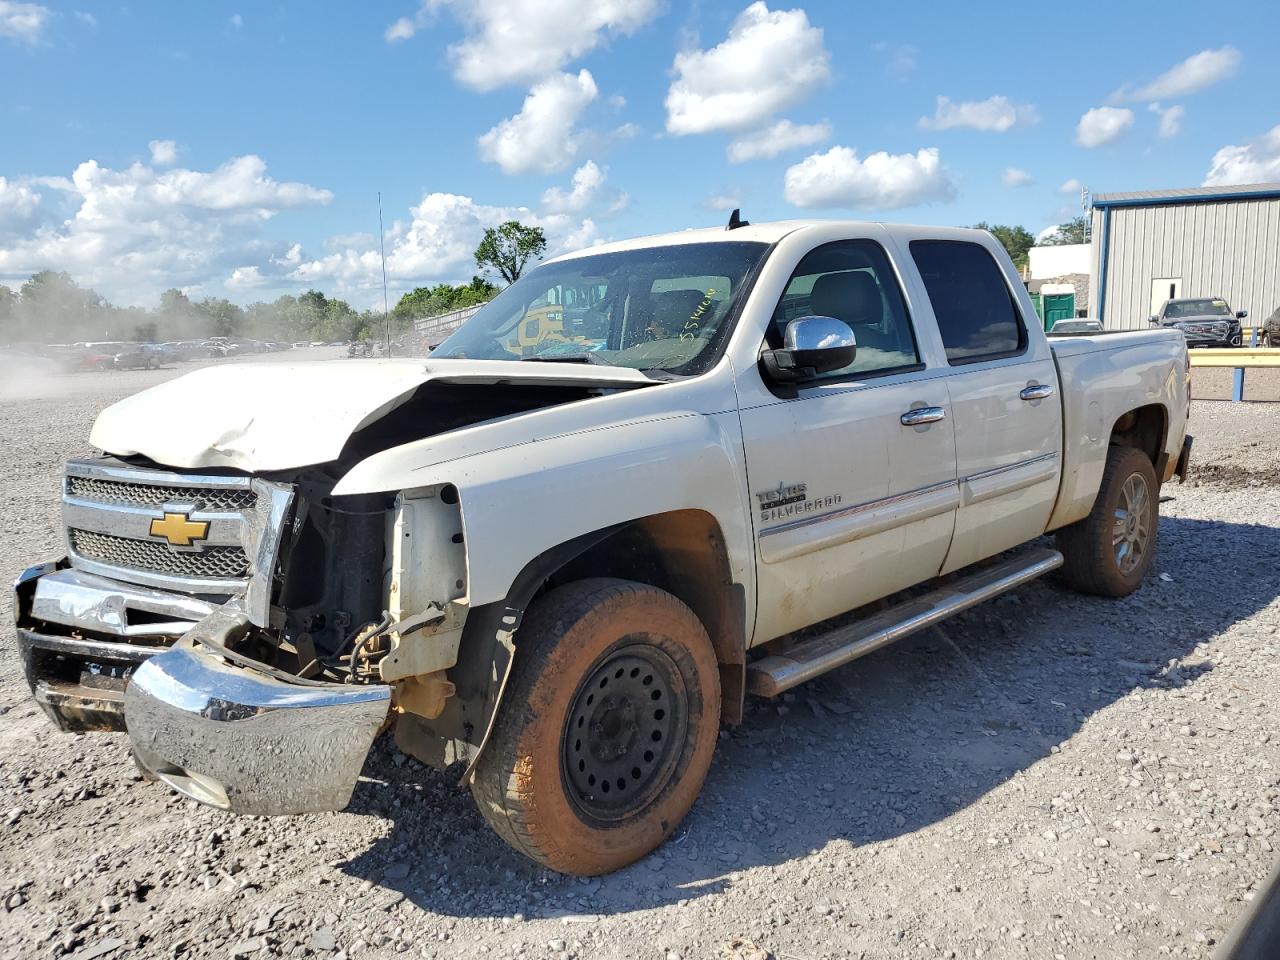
[[273, 416]]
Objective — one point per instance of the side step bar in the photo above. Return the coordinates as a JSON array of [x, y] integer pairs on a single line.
[[771, 675]]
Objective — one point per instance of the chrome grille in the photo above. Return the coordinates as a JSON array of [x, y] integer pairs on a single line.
[[143, 494], [211, 563]]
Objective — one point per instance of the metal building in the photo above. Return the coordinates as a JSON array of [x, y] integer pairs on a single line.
[[1156, 245]]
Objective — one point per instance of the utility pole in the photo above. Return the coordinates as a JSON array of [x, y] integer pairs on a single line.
[[386, 313]]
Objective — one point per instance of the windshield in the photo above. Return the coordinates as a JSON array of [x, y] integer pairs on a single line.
[[1176, 309], [659, 308]]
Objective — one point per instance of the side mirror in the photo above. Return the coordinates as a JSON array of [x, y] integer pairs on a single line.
[[1153, 319], [1242, 314], [811, 346]]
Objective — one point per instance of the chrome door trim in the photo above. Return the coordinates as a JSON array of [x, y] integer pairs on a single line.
[[1009, 478], [1036, 391], [922, 415], [861, 520]]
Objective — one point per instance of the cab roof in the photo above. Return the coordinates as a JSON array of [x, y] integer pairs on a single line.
[[770, 232]]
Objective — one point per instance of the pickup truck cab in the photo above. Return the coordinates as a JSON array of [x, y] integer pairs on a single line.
[[563, 565]]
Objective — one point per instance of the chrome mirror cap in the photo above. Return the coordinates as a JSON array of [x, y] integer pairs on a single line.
[[810, 346]]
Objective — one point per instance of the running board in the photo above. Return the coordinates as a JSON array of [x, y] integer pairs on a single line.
[[771, 675]]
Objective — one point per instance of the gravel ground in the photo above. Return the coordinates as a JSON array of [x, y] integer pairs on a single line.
[[1046, 776]]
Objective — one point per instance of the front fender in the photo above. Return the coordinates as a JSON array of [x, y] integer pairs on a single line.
[[524, 498]]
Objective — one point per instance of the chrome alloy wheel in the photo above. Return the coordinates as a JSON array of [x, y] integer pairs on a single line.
[[1131, 532]]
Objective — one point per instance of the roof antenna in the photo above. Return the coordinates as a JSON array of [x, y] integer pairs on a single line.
[[736, 221]]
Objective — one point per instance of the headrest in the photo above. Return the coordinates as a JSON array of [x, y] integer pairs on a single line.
[[853, 297]]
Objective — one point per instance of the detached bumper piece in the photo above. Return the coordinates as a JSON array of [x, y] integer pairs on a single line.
[[236, 739], [81, 637]]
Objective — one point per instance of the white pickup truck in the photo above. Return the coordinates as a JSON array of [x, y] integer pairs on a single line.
[[561, 550]]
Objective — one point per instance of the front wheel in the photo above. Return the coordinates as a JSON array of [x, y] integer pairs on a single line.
[[1109, 552], [607, 727]]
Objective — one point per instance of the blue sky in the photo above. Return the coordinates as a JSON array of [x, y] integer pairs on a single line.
[[237, 149]]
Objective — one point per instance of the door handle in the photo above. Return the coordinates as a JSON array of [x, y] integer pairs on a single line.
[[1037, 391], [921, 415]]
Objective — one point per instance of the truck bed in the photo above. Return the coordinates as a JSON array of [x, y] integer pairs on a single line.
[[1103, 375]]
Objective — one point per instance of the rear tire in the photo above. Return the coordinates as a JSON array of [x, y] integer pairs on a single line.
[[1109, 552], [607, 727]]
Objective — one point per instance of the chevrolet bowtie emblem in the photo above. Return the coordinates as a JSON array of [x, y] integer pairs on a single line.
[[179, 529]]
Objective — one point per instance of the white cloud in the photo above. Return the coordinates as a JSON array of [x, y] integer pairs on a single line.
[[438, 244], [777, 138], [1070, 186], [541, 138], [515, 41], [1255, 162], [722, 201], [1013, 177], [163, 152], [23, 21], [1170, 119], [900, 58], [883, 181], [586, 190], [237, 21], [246, 278], [402, 29], [1048, 232], [19, 208], [770, 61], [1103, 125], [1190, 76], [995, 115], [88, 19], [133, 232]]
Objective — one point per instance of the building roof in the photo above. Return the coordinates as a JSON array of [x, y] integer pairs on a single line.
[[1153, 198]]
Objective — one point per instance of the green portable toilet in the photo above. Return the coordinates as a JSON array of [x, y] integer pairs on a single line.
[[1058, 306], [1035, 302]]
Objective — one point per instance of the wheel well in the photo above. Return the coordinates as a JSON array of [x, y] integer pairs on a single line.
[[684, 553], [1143, 428]]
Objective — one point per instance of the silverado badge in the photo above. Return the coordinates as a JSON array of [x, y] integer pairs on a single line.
[[179, 529]]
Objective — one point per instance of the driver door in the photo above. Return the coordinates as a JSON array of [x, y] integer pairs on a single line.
[[849, 502]]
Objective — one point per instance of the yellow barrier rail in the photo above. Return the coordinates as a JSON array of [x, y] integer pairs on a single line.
[[1239, 359], [1235, 357]]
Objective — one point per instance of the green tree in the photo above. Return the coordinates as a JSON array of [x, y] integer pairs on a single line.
[[508, 248], [1075, 230], [219, 317], [1017, 241], [54, 307], [8, 313]]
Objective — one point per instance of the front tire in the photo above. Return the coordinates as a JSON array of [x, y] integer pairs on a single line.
[[608, 726], [1109, 552]]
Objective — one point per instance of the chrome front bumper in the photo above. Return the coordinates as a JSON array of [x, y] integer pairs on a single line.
[[236, 739], [81, 636], [226, 735]]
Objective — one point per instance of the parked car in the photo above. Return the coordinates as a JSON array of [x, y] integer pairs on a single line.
[[564, 571], [1204, 321], [1269, 336], [1078, 325], [298, 344], [136, 356], [360, 348]]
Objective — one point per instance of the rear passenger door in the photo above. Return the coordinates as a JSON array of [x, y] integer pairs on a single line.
[[1003, 396]]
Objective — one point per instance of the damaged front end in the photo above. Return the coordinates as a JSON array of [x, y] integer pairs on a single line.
[[253, 635]]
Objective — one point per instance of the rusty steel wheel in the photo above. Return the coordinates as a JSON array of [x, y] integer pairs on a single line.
[[607, 729]]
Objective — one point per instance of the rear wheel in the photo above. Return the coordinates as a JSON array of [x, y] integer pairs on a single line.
[[1110, 551], [607, 729]]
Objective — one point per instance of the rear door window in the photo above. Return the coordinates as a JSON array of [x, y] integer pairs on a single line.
[[977, 315]]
